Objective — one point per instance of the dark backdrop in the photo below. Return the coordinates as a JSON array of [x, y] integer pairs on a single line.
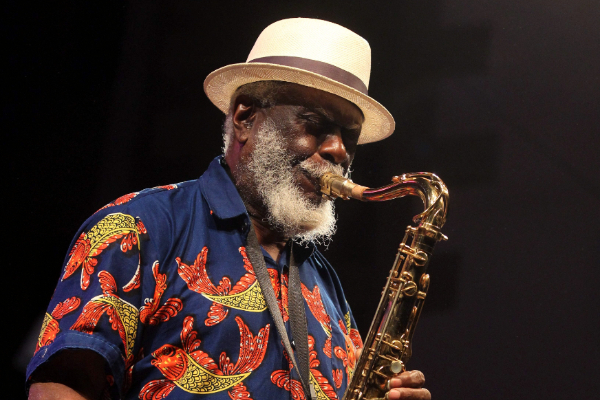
[[499, 98]]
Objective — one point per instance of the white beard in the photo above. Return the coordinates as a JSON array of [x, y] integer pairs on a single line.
[[288, 210]]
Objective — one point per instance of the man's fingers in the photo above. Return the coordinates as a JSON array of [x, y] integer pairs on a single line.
[[408, 379], [357, 353], [408, 394]]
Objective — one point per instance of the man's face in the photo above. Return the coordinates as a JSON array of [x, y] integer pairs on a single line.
[[319, 128], [308, 133]]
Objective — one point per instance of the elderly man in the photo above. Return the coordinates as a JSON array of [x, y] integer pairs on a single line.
[[215, 287]]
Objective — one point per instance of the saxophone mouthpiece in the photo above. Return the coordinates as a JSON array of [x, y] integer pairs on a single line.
[[334, 186]]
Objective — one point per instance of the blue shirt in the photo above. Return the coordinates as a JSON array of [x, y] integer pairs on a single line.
[[158, 283]]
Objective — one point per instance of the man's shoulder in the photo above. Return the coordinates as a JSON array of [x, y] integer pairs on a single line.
[[166, 194], [170, 209], [160, 208], [152, 196]]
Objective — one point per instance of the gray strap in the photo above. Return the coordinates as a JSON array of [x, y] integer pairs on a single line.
[[298, 319], [260, 269]]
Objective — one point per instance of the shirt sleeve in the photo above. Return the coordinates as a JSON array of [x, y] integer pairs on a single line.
[[97, 301]]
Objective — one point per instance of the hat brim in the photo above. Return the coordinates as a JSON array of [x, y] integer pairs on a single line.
[[220, 85]]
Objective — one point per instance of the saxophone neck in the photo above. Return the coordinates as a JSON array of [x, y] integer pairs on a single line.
[[432, 191], [429, 187]]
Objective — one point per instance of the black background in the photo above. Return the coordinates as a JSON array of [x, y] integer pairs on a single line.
[[501, 99]]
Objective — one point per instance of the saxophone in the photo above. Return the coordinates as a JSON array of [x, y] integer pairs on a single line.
[[387, 347]]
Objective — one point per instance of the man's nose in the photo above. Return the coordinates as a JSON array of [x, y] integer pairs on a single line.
[[332, 148]]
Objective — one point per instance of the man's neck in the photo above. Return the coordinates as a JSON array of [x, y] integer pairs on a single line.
[[273, 242]]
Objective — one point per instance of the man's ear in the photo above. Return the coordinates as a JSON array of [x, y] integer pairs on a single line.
[[243, 118]]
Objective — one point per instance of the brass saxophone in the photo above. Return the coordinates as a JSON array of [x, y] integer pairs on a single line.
[[387, 347]]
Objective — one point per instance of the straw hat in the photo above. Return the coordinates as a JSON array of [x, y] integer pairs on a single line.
[[313, 53]]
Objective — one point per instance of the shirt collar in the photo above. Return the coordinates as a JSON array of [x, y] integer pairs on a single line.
[[225, 202], [220, 192]]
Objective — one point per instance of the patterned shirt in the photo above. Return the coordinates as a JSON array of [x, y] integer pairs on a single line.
[[159, 284]]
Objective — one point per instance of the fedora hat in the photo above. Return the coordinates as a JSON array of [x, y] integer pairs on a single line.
[[310, 52]]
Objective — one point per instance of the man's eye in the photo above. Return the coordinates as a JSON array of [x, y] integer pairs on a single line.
[[352, 134], [311, 119]]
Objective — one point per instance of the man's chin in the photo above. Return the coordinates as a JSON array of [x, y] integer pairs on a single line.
[[301, 213], [319, 231]]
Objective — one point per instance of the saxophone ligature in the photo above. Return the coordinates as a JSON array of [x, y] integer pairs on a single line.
[[388, 345]]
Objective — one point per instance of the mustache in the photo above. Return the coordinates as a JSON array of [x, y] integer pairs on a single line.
[[315, 170]]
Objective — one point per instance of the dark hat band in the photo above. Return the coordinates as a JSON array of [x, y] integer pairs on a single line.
[[318, 67]]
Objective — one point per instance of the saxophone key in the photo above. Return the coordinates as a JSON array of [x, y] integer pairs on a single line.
[[397, 367], [409, 288]]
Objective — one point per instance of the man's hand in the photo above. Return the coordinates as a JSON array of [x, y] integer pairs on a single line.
[[408, 385]]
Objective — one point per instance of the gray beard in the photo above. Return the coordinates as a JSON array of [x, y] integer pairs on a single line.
[[287, 210]]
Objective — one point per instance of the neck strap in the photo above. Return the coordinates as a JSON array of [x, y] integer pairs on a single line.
[[297, 321]]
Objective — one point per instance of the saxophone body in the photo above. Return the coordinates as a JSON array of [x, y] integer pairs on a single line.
[[387, 347]]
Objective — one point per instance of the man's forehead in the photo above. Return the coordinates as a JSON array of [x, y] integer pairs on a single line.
[[327, 104]]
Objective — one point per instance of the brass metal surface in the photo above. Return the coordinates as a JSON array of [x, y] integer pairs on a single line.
[[388, 342]]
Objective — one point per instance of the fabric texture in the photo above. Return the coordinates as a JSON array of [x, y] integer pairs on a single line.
[[159, 284]]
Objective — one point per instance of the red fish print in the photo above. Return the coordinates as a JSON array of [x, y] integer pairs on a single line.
[[280, 287], [50, 324], [150, 312], [323, 388], [353, 345], [354, 335], [315, 304], [91, 244], [130, 196], [338, 376], [244, 295], [166, 187], [134, 283], [123, 318], [281, 378], [194, 371], [121, 200]]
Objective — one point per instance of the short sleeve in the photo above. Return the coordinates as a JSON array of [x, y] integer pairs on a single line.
[[96, 303]]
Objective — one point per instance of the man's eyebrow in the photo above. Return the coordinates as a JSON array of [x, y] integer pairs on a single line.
[[329, 117], [322, 112]]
